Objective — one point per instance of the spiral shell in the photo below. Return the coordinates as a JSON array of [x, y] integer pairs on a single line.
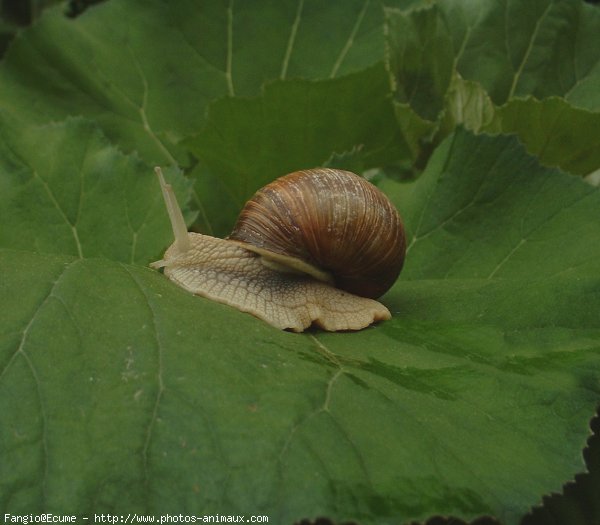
[[335, 224]]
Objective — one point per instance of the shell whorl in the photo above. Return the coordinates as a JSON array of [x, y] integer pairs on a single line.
[[331, 219]]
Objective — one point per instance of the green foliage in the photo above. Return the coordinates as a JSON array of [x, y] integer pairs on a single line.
[[127, 227], [460, 63], [121, 393]]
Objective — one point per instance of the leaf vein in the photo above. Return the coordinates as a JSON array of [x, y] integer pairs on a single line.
[[142, 109], [519, 70], [21, 351], [429, 196], [291, 40], [350, 41], [62, 213], [159, 375], [229, 65]]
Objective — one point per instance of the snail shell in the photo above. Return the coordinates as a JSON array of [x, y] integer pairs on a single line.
[[313, 247], [329, 223]]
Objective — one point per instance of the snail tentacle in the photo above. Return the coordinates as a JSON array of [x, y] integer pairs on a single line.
[[177, 222]]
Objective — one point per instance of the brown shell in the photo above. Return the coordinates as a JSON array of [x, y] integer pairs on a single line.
[[331, 219]]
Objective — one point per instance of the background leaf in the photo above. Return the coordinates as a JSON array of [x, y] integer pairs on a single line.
[[547, 50], [557, 133], [66, 190], [475, 399], [147, 71], [454, 63]]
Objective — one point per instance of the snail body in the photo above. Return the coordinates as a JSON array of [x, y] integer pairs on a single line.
[[315, 246]]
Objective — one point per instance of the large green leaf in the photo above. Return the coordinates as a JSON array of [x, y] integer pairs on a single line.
[[65, 189], [121, 393], [493, 212], [146, 69]]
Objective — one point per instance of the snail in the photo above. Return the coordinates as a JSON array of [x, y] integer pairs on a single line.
[[312, 247]]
